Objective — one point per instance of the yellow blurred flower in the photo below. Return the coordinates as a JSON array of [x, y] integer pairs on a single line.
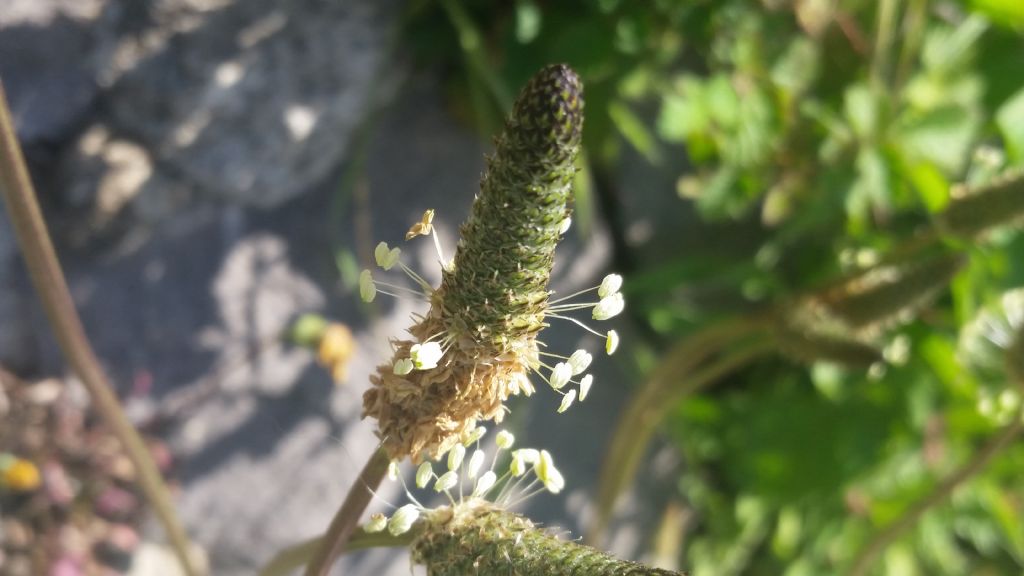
[[336, 348], [21, 476]]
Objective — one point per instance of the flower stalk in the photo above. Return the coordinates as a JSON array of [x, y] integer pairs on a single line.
[[44, 269]]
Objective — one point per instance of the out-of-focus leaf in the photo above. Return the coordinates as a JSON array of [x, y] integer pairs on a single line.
[[722, 102], [680, 116], [899, 559], [931, 185], [861, 109], [753, 138], [871, 188], [1010, 119], [528, 21], [948, 49], [1003, 12], [628, 36], [634, 131], [788, 532], [786, 457], [714, 200], [941, 356], [1006, 512], [797, 68], [942, 136]]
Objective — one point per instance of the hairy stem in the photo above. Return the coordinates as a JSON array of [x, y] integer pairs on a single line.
[[345, 520], [869, 553], [48, 278]]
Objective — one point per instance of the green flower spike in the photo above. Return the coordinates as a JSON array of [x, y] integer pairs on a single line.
[[497, 292], [848, 322], [487, 540], [475, 532], [477, 344]]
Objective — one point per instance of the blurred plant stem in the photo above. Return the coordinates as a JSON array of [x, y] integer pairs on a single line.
[[344, 523], [48, 278], [294, 557], [881, 59], [915, 23], [471, 42], [867, 556], [689, 367]]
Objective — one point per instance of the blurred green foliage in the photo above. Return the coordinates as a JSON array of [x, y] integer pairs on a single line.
[[835, 131]]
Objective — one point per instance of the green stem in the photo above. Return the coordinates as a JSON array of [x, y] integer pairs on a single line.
[[881, 59], [915, 21], [867, 556], [48, 278], [471, 42], [344, 522]]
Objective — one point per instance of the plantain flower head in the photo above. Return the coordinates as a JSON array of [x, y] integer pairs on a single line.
[[477, 345]]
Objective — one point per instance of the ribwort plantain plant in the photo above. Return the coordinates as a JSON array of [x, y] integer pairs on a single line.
[[477, 345]]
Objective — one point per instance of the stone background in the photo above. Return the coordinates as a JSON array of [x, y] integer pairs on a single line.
[[201, 164]]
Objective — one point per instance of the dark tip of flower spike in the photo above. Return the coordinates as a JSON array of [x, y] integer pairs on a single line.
[[549, 110]]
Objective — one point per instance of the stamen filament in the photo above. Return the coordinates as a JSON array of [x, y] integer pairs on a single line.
[[578, 323], [568, 307], [437, 245], [417, 278], [573, 295]]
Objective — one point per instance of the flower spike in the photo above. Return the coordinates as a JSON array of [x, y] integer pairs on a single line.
[[477, 344]]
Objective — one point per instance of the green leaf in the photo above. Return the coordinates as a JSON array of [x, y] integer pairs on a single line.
[[680, 117], [943, 136], [870, 189], [528, 21], [721, 100], [946, 50], [634, 131], [931, 185], [1009, 13], [1005, 511], [861, 108], [798, 66], [1010, 120]]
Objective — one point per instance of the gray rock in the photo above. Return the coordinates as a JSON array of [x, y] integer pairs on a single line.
[[48, 64], [17, 345], [272, 450], [251, 101]]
